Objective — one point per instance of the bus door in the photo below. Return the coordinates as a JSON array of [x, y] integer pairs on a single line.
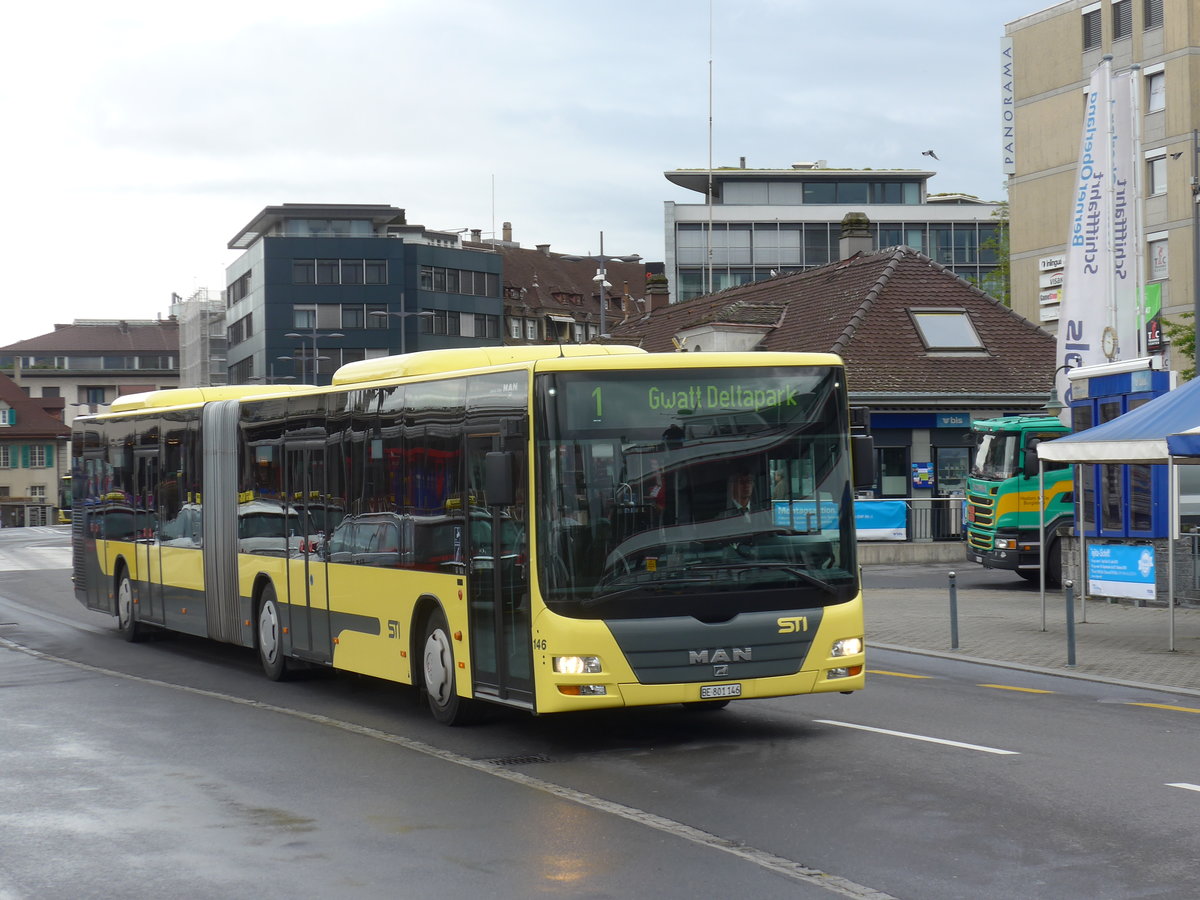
[[498, 567], [308, 594], [145, 530]]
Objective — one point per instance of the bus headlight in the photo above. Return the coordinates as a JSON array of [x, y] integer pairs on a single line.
[[577, 665], [847, 647]]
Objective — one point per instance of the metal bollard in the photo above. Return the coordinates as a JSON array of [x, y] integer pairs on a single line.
[[953, 612], [1070, 589]]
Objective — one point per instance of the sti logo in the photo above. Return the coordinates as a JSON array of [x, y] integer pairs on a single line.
[[792, 624]]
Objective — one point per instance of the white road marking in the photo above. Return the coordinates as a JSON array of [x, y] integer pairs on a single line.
[[1184, 785], [29, 558], [761, 858], [920, 737]]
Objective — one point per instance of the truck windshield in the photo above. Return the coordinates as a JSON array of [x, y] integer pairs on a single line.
[[695, 492], [996, 457]]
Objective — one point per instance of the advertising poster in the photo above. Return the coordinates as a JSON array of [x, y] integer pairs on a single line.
[[1121, 570]]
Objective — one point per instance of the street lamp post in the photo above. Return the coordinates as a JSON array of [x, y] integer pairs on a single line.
[[402, 315], [312, 335], [601, 277]]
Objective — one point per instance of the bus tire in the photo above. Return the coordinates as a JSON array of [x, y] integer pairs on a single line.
[[127, 624], [438, 670], [269, 636], [1054, 565]]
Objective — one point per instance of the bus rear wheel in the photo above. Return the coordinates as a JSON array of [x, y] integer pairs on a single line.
[[270, 636], [127, 625], [437, 667]]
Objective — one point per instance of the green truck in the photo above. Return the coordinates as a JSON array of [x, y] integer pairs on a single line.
[[1003, 518]]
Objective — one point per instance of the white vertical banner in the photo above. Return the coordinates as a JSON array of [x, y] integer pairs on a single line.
[[1087, 296], [1125, 230]]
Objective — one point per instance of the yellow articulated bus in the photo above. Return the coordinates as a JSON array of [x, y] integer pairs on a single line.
[[551, 529]]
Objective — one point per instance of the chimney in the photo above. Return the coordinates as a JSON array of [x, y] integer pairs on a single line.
[[476, 235], [856, 235], [506, 232], [544, 249], [657, 292]]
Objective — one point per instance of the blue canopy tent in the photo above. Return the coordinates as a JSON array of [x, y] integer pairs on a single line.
[[1164, 431]]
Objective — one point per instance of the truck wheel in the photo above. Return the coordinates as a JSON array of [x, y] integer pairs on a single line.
[[1054, 565]]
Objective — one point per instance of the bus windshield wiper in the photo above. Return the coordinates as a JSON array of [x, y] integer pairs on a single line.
[[749, 566]]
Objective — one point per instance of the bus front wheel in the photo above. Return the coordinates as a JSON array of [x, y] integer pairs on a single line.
[[270, 636], [437, 666], [127, 624]]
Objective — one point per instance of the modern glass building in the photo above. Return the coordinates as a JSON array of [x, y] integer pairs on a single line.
[[765, 222], [321, 285]]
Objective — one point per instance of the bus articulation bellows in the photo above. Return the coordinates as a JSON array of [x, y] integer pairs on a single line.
[[547, 528]]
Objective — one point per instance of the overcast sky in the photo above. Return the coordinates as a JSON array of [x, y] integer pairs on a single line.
[[141, 136]]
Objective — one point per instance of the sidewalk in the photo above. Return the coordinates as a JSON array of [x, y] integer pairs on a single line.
[[1119, 643]]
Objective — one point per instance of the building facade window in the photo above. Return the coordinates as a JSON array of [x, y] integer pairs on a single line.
[[458, 281], [1092, 33], [1156, 253], [487, 326], [1152, 13], [531, 329], [1122, 14], [353, 315], [304, 316], [1156, 172], [375, 271], [339, 271], [1156, 91], [241, 329], [514, 328], [37, 491], [373, 319], [241, 372], [7, 417], [37, 457], [5, 457], [93, 396], [239, 289], [443, 321], [304, 271]]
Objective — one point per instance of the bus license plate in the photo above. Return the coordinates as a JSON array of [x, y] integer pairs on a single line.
[[712, 691]]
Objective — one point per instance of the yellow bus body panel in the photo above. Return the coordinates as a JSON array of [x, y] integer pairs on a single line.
[[591, 637]]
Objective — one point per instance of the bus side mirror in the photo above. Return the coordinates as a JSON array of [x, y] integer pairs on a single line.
[[862, 459], [500, 478]]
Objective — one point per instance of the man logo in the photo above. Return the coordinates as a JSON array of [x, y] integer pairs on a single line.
[[736, 654], [792, 624]]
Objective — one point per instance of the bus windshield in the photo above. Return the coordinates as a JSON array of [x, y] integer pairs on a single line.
[[703, 492], [996, 457]]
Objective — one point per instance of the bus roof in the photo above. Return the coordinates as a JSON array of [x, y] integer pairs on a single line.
[[197, 396], [435, 362]]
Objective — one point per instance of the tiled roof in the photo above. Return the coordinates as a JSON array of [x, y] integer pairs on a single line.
[[859, 309], [544, 274], [33, 420], [151, 337]]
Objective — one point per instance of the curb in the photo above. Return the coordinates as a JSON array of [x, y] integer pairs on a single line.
[[1040, 670]]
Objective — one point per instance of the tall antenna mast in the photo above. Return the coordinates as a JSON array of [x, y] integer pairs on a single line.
[[709, 243]]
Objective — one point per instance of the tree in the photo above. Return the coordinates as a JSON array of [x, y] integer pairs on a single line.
[[1183, 340], [998, 282]]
